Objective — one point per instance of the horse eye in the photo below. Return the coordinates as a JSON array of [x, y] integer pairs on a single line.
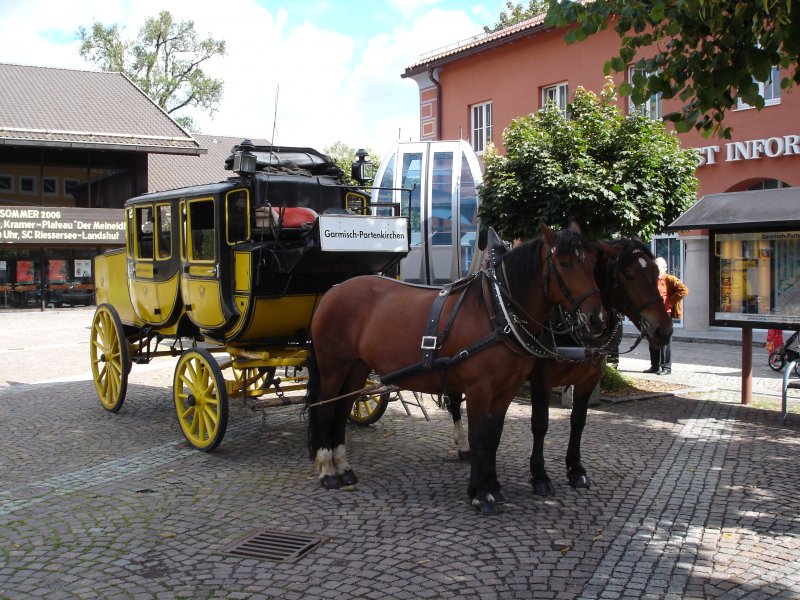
[[564, 264], [628, 275]]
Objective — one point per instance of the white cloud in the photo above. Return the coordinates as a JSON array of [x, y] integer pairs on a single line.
[[331, 85]]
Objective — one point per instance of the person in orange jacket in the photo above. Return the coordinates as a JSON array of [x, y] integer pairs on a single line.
[[673, 291]]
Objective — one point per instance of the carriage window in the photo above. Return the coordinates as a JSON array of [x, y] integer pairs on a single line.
[[144, 231], [238, 213], [130, 227], [164, 225], [201, 230]]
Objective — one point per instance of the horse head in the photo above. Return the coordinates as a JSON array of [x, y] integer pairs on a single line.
[[630, 281], [569, 279]]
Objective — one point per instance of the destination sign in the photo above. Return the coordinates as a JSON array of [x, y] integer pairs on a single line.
[[351, 233]]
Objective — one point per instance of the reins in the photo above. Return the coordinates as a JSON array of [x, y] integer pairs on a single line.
[[508, 319], [507, 327]]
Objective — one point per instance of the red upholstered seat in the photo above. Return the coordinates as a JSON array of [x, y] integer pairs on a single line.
[[297, 216]]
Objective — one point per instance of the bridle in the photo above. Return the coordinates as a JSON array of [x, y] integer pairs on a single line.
[[577, 315], [613, 275]]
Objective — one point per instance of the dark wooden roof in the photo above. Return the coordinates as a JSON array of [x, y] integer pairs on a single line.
[[64, 108], [170, 172]]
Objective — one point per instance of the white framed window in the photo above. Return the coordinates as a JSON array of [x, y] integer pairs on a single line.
[[652, 106], [6, 184], [769, 90], [50, 186], [481, 126], [27, 184], [558, 95], [768, 184]]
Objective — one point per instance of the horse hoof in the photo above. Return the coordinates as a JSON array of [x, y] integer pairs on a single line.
[[543, 487], [464, 456], [486, 506], [330, 482], [348, 478], [580, 481], [499, 498]]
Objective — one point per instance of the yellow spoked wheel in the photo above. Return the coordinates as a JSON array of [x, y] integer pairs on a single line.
[[368, 409], [109, 357], [201, 399]]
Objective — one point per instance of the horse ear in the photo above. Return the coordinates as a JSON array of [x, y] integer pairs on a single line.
[[574, 226], [549, 234], [606, 248], [483, 235]]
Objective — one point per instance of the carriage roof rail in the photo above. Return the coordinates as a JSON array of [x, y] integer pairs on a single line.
[[286, 157]]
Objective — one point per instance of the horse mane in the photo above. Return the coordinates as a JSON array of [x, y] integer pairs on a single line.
[[632, 245], [523, 263]]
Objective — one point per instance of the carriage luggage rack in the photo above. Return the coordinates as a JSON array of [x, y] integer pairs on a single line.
[[279, 546]]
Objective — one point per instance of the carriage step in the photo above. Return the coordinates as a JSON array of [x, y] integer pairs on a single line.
[[416, 402], [276, 401]]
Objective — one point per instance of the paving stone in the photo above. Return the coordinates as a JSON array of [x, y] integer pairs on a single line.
[[692, 496]]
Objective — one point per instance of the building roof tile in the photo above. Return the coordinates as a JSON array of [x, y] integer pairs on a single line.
[[170, 172], [73, 108], [476, 43]]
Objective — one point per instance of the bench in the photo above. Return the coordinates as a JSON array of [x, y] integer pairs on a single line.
[[286, 219], [788, 384]]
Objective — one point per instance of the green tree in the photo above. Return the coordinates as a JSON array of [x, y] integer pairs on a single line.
[[615, 174], [164, 61], [707, 53], [344, 156], [516, 13]]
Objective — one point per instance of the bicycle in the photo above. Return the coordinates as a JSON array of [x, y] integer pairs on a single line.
[[786, 354]]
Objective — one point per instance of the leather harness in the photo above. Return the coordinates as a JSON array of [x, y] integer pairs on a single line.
[[505, 324]]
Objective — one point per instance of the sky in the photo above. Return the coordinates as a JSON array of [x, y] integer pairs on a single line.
[[298, 72]]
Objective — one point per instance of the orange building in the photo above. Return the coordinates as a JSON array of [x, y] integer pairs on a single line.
[[474, 89]]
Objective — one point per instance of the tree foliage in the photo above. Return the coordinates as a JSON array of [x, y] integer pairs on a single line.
[[707, 53], [616, 175], [516, 13], [164, 61], [344, 156]]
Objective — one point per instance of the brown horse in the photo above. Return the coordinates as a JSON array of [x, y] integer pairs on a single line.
[[481, 348], [628, 279]]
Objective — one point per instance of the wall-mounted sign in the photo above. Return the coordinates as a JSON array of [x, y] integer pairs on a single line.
[[44, 225], [774, 147]]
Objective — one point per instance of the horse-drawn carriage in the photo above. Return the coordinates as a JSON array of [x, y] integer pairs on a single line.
[[263, 265], [236, 268]]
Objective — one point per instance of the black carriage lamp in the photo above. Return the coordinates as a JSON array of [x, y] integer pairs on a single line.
[[361, 169], [244, 160]]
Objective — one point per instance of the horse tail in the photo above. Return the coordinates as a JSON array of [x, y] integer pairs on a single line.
[[312, 395]]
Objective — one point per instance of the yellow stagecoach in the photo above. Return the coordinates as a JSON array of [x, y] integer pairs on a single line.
[[236, 268]]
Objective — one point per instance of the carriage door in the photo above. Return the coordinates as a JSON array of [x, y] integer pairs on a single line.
[[141, 284], [200, 287]]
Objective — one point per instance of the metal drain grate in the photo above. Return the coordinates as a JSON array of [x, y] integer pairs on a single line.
[[275, 545]]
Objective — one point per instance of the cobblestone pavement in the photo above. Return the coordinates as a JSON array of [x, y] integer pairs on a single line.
[[692, 496]]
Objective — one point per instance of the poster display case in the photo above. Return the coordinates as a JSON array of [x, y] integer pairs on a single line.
[[755, 278]]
